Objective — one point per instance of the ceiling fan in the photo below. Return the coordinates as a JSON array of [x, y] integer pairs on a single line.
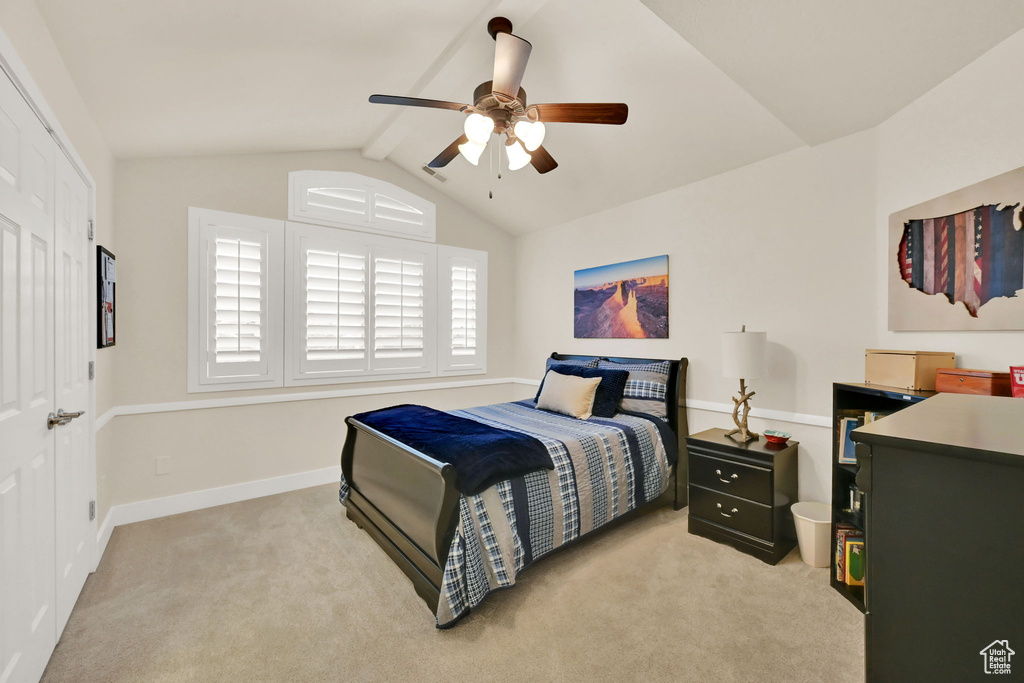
[[499, 106]]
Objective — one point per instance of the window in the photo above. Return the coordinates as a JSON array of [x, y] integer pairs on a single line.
[[360, 306], [356, 202], [462, 281], [235, 302]]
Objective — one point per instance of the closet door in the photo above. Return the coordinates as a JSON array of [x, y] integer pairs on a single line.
[[74, 476], [27, 608]]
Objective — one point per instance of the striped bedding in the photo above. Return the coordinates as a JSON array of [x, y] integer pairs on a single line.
[[604, 467]]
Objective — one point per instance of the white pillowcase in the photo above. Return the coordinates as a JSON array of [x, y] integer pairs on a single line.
[[573, 396]]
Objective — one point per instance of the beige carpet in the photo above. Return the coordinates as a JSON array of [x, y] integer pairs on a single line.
[[285, 588]]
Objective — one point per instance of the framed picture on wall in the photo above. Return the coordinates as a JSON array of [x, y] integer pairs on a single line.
[[627, 300], [106, 284], [956, 262]]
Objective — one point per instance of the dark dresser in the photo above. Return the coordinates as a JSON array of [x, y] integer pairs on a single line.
[[740, 494], [944, 540]]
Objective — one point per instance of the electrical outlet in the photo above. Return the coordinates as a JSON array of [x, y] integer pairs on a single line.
[[163, 465]]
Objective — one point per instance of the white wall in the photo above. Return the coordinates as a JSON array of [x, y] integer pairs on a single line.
[[223, 446], [965, 130], [795, 245], [783, 245]]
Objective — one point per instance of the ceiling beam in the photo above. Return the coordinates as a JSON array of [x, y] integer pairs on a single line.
[[448, 75]]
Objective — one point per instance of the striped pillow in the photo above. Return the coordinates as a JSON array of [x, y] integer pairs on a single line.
[[646, 388]]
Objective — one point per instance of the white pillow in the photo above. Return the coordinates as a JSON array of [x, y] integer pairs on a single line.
[[568, 395]]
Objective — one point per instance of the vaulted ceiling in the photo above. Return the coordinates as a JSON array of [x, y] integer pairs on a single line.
[[711, 85]]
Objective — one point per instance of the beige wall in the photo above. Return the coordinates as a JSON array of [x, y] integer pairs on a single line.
[[965, 130], [783, 246], [223, 446], [216, 447], [794, 245]]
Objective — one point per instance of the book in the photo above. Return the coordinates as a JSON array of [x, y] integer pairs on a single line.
[[855, 562], [873, 415], [841, 529], [844, 532], [847, 451]]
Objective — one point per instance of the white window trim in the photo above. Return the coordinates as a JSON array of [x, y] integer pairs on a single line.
[[200, 221], [285, 331], [372, 370], [449, 364], [369, 221]]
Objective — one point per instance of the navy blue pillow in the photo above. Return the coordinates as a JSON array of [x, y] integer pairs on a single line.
[[609, 391]]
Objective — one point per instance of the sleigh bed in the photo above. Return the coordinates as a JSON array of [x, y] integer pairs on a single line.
[[456, 548]]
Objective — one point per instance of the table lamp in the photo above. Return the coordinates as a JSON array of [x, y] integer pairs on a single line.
[[743, 358]]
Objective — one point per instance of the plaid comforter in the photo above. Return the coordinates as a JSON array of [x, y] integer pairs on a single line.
[[604, 467]]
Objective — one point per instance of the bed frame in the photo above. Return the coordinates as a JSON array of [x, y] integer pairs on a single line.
[[409, 504]]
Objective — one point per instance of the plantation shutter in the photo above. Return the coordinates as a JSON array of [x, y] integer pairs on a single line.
[[403, 307], [238, 273], [235, 281], [357, 202], [327, 320], [360, 306], [462, 287], [335, 304]]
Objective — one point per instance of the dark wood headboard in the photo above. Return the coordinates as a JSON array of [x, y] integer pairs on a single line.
[[675, 395]]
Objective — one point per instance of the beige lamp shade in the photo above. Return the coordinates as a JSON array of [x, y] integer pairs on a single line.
[[743, 354]]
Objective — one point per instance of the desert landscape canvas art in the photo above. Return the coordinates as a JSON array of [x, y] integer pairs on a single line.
[[627, 300]]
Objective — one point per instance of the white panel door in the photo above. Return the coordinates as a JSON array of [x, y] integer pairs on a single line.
[[27, 607], [74, 477]]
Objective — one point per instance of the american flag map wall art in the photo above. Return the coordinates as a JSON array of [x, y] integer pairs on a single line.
[[971, 257]]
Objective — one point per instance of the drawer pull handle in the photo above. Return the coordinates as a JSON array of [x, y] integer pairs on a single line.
[[733, 511], [726, 481]]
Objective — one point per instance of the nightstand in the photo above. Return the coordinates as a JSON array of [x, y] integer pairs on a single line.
[[740, 493]]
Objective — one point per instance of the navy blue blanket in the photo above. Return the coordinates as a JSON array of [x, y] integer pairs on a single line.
[[481, 455]]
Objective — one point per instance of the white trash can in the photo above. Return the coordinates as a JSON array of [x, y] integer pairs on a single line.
[[813, 522]]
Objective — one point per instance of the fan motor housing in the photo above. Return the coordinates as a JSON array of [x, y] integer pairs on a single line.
[[500, 110]]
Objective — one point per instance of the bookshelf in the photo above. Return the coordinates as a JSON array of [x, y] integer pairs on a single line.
[[847, 399]]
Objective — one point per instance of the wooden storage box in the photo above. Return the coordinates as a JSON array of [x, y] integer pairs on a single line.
[[979, 382], [914, 370]]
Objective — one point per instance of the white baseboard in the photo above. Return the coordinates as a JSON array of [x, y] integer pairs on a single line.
[[103, 537], [129, 513]]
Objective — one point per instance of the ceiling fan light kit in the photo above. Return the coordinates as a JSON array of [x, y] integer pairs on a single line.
[[479, 128], [472, 151], [530, 134], [499, 106], [517, 156]]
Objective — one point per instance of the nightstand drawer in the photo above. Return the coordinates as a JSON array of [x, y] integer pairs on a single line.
[[727, 476], [742, 515]]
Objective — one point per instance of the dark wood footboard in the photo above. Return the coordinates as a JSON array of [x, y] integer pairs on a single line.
[[405, 500]]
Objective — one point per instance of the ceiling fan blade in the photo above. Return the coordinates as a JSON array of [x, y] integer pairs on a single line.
[[542, 161], [417, 102], [449, 153], [614, 114], [511, 53]]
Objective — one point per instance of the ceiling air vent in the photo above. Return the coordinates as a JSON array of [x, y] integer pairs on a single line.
[[431, 172]]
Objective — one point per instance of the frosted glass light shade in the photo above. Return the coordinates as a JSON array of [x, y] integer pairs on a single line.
[[471, 151], [517, 156], [743, 354], [530, 134], [478, 128]]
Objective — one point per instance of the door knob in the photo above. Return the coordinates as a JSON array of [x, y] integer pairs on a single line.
[[61, 418]]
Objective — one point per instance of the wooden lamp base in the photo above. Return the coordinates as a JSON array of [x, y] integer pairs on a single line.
[[741, 433]]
